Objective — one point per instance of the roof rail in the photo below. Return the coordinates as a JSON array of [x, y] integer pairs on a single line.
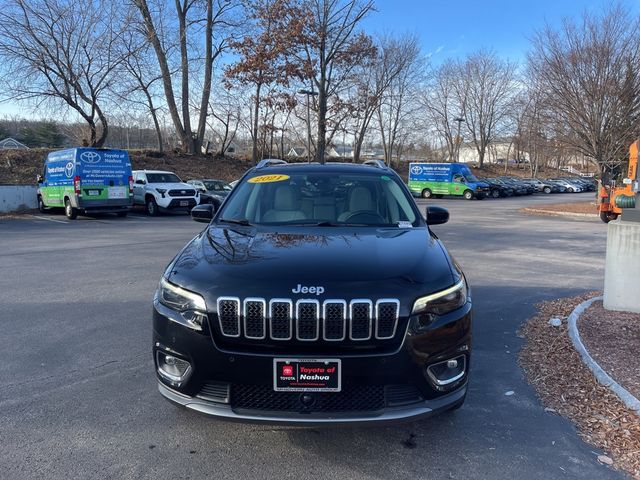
[[270, 161], [376, 163]]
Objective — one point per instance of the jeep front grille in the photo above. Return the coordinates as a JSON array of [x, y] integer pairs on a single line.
[[308, 320]]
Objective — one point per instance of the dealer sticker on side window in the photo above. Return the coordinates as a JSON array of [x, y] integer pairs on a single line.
[[405, 224]]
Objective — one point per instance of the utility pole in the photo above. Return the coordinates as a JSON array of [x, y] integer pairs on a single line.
[[458, 139], [309, 94]]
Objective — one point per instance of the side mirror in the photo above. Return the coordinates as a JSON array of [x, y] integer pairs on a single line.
[[39, 179], [437, 215], [203, 213]]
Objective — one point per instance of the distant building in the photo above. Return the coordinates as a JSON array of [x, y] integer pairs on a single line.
[[12, 144], [497, 152], [374, 153], [297, 152], [344, 151]]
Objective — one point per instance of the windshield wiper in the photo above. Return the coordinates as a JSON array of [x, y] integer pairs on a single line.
[[243, 221]]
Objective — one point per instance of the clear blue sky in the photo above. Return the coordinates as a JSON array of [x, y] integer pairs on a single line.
[[451, 28]]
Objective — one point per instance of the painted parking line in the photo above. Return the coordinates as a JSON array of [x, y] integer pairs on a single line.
[[50, 219]]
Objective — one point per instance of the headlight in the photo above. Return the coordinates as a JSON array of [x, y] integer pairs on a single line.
[[442, 302], [190, 306]]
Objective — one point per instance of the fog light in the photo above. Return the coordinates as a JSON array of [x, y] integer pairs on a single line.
[[173, 369], [447, 372]]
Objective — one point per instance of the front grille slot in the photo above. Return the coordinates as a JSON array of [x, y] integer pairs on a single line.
[[281, 319], [254, 318], [229, 316], [387, 312], [335, 318], [307, 320], [360, 313]]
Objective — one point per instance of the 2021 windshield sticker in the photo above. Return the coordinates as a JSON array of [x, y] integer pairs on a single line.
[[268, 178]]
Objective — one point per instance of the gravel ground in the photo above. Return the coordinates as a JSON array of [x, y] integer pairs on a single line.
[[567, 387], [613, 340], [582, 208]]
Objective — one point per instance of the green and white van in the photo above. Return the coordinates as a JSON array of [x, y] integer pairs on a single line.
[[87, 180]]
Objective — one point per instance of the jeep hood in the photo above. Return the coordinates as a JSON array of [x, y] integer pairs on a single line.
[[372, 263]]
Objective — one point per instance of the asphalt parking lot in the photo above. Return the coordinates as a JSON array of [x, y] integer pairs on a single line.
[[79, 400]]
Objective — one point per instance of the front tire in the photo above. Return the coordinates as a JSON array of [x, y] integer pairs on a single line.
[[495, 193], [607, 217], [570, 190], [152, 207], [69, 210], [546, 190], [426, 193], [468, 195], [41, 206]]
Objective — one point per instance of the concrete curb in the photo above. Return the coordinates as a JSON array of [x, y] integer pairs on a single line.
[[559, 214], [603, 377]]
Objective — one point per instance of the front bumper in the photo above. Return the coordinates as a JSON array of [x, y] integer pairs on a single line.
[[240, 371], [177, 204], [391, 415]]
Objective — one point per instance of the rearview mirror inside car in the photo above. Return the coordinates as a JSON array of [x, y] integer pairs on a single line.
[[436, 215], [203, 213], [140, 182]]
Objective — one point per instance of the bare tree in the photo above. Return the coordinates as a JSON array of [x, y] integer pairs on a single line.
[[588, 73], [403, 66], [485, 87], [138, 89], [225, 118], [63, 52], [441, 105], [372, 81], [209, 18], [332, 48]]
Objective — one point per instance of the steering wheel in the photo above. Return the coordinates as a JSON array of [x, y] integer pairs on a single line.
[[364, 216]]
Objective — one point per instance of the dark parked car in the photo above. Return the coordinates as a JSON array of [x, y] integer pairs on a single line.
[[525, 187], [212, 191], [317, 294], [498, 189], [518, 189]]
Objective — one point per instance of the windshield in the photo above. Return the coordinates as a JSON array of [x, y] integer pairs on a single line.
[[471, 177], [326, 199], [163, 178], [220, 186]]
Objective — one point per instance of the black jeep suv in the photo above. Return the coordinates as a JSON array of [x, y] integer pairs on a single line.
[[317, 294]]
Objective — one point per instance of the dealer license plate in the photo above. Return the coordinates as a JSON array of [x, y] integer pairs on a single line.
[[117, 192], [184, 203], [94, 192], [306, 375]]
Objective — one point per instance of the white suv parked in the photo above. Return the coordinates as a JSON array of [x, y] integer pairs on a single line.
[[158, 190]]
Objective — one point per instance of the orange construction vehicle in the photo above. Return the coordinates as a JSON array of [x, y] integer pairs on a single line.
[[613, 199]]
